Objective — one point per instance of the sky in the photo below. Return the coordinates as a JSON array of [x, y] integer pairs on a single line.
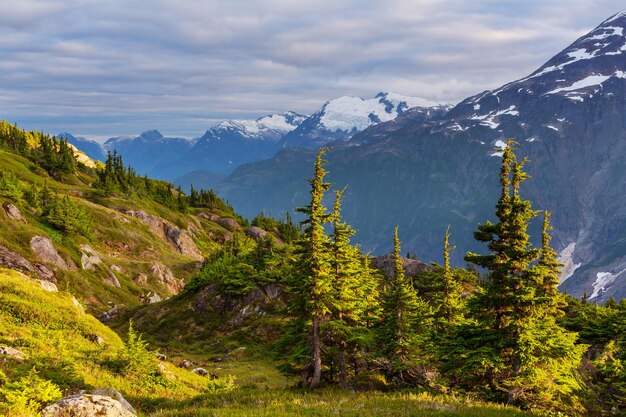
[[99, 68]]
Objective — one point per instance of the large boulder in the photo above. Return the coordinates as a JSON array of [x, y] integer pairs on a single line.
[[166, 277], [44, 250], [229, 223], [111, 279], [86, 405], [13, 260], [89, 258], [13, 212], [256, 233], [109, 315], [412, 267]]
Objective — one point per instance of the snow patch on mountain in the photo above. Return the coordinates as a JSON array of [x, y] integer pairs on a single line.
[[603, 282], [354, 113], [566, 257], [273, 125]]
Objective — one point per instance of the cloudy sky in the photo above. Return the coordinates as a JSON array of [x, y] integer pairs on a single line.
[[104, 68]]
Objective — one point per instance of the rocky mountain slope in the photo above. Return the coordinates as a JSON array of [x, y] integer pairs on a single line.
[[569, 117]]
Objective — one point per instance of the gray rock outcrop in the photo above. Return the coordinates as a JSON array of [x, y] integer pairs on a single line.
[[12, 353], [14, 260], [47, 285], [256, 233], [166, 277], [13, 212], [412, 267], [44, 250], [87, 405], [111, 279], [89, 258], [229, 223]]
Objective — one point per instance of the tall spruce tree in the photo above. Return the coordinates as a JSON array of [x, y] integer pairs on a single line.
[[402, 311], [526, 358], [313, 284], [354, 290], [450, 303]]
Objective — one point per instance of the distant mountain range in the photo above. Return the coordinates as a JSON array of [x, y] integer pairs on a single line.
[[231, 143], [424, 173]]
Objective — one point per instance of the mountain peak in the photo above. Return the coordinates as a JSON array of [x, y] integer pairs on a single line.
[[151, 135]]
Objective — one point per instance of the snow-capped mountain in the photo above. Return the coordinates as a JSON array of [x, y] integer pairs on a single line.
[[90, 147], [229, 144], [148, 150], [343, 117], [569, 117]]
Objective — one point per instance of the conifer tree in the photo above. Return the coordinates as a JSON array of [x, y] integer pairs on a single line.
[[522, 352], [402, 311], [314, 285], [451, 291], [354, 288]]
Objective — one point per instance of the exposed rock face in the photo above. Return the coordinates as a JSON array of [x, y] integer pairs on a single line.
[[229, 223], [95, 339], [166, 277], [109, 315], [203, 372], [175, 237], [115, 268], [44, 250], [412, 267], [236, 309], [115, 394], [47, 285], [12, 353], [13, 212], [87, 405], [256, 233], [112, 280], [89, 258], [151, 298], [13, 260]]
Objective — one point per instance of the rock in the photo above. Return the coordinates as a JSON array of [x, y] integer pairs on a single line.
[[89, 258], [12, 353], [256, 233], [87, 405], [181, 240], [13, 260], [203, 372], [109, 315], [44, 250], [166, 277], [47, 285], [116, 268], [175, 237], [77, 304], [13, 212], [112, 280], [150, 298], [141, 279], [95, 339], [164, 372], [115, 394], [186, 364], [227, 236], [412, 267], [229, 223], [161, 357]]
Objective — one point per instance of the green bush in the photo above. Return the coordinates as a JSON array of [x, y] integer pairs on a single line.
[[26, 396], [10, 186]]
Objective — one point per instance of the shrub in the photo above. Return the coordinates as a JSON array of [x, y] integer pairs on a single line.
[[27, 395], [10, 185]]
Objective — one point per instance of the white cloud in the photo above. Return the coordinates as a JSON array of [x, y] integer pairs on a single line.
[[122, 66]]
